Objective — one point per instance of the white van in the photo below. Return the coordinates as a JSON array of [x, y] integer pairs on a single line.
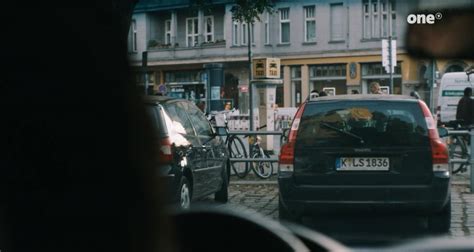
[[450, 92]]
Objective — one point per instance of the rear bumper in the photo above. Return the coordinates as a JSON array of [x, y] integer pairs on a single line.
[[311, 199], [171, 182]]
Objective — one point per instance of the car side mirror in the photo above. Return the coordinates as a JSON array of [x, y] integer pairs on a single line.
[[443, 132]]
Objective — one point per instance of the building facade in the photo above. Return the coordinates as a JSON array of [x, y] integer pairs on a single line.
[[331, 45]]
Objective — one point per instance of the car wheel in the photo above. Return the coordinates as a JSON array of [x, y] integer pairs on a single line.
[[441, 221], [184, 194], [284, 214], [223, 194]]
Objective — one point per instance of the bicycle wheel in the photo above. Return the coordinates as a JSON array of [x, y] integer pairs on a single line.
[[262, 169], [458, 149], [237, 150]]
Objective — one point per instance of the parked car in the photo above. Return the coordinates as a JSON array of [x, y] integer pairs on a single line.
[[193, 158], [362, 153]]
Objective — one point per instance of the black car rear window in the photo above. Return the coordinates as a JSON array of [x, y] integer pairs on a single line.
[[155, 119], [362, 123]]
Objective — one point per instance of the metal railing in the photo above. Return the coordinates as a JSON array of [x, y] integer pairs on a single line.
[[253, 133], [453, 161]]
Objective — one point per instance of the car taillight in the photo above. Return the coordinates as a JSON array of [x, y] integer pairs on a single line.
[[439, 150], [287, 152], [165, 154]]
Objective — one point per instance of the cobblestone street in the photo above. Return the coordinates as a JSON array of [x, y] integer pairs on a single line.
[[262, 196]]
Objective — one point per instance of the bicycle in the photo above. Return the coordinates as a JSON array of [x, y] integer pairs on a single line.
[[458, 147], [263, 169], [235, 146]]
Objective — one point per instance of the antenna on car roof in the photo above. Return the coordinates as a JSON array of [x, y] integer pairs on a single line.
[[415, 94]]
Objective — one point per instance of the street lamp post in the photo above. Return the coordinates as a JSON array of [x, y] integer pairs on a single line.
[[250, 77]]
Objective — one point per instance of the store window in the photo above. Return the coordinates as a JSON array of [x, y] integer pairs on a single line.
[[329, 76], [279, 99], [375, 72], [296, 86]]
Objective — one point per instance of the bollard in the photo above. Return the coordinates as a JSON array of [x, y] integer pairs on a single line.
[[471, 168]]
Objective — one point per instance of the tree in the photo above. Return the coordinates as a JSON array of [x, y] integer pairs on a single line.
[[249, 11]]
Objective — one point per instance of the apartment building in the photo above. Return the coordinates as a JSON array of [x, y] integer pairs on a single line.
[[326, 44]]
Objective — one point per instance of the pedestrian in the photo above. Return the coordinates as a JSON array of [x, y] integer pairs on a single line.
[[464, 111], [314, 94], [375, 88], [322, 93]]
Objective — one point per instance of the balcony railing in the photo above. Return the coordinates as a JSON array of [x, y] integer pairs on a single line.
[[155, 45]]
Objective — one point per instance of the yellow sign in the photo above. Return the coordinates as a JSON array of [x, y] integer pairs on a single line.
[[266, 68]]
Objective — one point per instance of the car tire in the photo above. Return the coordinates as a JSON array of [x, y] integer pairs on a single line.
[[284, 214], [183, 195], [440, 222], [222, 195]]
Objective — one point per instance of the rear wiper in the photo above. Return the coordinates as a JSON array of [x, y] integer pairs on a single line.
[[342, 131]]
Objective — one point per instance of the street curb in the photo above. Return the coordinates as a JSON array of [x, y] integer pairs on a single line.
[[266, 182], [466, 183], [254, 182]]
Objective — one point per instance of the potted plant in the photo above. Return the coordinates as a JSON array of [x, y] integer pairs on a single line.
[[152, 43]]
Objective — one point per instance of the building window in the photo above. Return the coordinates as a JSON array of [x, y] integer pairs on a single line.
[[244, 34], [394, 18], [235, 33], [209, 32], [192, 31], [384, 16], [379, 17], [132, 40], [366, 19], [309, 24], [375, 20], [285, 25], [295, 86], [330, 76], [338, 19], [267, 28], [168, 31], [371, 72]]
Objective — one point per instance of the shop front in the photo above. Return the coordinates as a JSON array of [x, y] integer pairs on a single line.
[[375, 72], [189, 85]]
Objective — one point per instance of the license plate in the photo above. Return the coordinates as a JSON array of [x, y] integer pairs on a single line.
[[362, 164]]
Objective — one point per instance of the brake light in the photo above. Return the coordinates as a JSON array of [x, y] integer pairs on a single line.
[[287, 152], [439, 151], [165, 154]]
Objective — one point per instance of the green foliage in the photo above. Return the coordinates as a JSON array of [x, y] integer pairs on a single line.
[[152, 43], [249, 11]]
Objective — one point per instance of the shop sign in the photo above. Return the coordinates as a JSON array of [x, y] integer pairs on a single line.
[[264, 68]]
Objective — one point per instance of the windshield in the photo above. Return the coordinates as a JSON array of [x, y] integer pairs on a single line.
[[82, 167], [362, 155], [363, 124]]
